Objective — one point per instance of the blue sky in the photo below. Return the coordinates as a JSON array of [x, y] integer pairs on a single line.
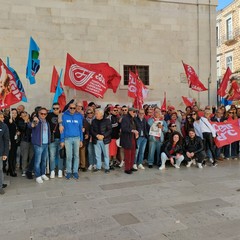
[[223, 3]]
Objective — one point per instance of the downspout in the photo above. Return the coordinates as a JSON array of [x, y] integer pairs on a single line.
[[210, 53]]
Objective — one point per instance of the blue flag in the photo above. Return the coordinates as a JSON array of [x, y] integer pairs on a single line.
[[59, 90], [33, 63], [18, 81]]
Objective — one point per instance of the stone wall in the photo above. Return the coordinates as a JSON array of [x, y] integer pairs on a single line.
[[156, 33]]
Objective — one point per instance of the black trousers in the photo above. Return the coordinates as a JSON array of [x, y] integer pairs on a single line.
[[199, 157], [209, 143]]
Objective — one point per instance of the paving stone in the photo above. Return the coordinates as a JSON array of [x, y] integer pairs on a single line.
[[125, 219], [124, 199]]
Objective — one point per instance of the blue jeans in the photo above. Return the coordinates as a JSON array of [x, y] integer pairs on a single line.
[[91, 154], [41, 155], [101, 148], [72, 154], [178, 160], [141, 145], [54, 148], [153, 146]]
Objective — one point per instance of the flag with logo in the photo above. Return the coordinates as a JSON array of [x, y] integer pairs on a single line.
[[9, 92], [92, 78], [164, 104], [33, 63], [193, 80], [18, 81], [189, 102], [222, 91], [59, 95]]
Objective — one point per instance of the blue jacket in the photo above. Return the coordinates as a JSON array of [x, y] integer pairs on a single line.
[[72, 124], [37, 133]]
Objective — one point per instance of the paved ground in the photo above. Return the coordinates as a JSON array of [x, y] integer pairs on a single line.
[[175, 204]]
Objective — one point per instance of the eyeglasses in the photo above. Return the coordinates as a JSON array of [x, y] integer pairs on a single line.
[[193, 114], [124, 110], [44, 114], [89, 112], [230, 112], [55, 108], [72, 108], [115, 110], [173, 125]]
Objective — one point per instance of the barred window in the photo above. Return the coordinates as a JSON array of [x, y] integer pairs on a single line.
[[143, 72]]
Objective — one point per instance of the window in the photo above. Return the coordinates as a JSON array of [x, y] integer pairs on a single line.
[[143, 72], [229, 33], [229, 62], [217, 36]]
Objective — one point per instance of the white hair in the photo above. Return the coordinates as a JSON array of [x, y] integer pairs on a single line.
[[100, 110]]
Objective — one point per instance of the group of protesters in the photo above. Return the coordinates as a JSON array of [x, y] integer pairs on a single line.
[[62, 143]]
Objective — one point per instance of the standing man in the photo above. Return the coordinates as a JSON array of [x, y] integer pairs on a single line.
[[101, 130], [4, 149], [71, 138], [40, 140]]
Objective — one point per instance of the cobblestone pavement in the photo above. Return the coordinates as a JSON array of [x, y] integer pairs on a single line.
[[173, 204]]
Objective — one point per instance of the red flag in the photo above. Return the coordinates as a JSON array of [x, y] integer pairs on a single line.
[[54, 83], [9, 92], [62, 101], [193, 80], [228, 132], [164, 105], [132, 85], [224, 83], [92, 78], [234, 91], [85, 104], [188, 101]]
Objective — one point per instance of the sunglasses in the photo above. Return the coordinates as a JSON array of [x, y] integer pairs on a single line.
[[55, 108], [44, 114], [193, 114], [115, 110], [173, 125], [125, 110], [72, 108], [230, 112], [89, 112]]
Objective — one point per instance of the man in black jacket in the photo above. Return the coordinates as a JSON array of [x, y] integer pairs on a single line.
[[101, 130], [194, 149], [4, 148]]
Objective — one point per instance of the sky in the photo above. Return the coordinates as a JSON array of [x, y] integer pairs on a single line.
[[223, 3]]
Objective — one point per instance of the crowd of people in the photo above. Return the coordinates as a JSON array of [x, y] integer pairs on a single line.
[[62, 143]]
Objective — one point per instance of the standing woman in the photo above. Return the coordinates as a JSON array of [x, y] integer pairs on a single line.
[[14, 139], [128, 137]]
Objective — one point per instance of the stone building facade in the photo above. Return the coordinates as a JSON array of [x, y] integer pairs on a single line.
[[228, 38], [153, 33]]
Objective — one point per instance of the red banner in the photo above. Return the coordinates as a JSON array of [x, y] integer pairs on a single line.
[[92, 78], [132, 85], [9, 92], [193, 80], [228, 132]]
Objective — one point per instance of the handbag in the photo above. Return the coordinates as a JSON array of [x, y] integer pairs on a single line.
[[62, 153]]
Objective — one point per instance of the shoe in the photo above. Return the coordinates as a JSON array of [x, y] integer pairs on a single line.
[[220, 159], [135, 166], [13, 174], [23, 174], [189, 164], [199, 165], [2, 191], [44, 177], [29, 175], [90, 167], [68, 176], [111, 167], [134, 170], [227, 159], [204, 163], [121, 164], [214, 164], [140, 166], [162, 167], [52, 175], [60, 173], [235, 159], [83, 169], [150, 166], [4, 185], [107, 171], [176, 166], [96, 170], [39, 180], [94, 166], [128, 171], [75, 175]]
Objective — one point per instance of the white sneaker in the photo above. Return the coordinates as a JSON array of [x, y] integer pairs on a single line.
[[140, 166], [235, 159], [227, 159], [90, 167], [121, 164], [176, 166], [44, 177], [189, 164], [199, 165], [52, 175], [60, 173], [135, 166], [162, 167], [94, 166], [39, 180]]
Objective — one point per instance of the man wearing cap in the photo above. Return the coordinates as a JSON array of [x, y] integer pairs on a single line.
[[129, 134]]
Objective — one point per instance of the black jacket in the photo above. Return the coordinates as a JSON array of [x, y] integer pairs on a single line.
[[127, 125], [178, 149], [142, 127], [102, 127], [26, 132], [4, 139], [194, 145]]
